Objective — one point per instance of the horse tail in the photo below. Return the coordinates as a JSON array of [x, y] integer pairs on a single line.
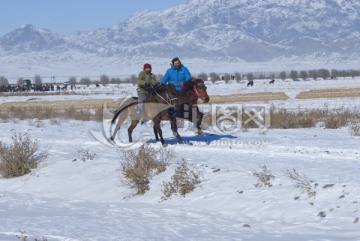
[[117, 113], [123, 107]]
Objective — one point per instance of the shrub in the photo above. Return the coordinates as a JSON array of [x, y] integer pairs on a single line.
[[264, 177], [338, 119], [184, 181], [24, 237], [302, 182], [139, 165], [283, 119], [86, 154], [354, 128], [19, 158]]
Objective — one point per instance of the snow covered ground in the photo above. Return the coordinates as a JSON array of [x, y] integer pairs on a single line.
[[68, 199]]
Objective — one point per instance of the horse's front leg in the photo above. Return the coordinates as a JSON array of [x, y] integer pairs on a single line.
[[175, 129], [197, 118], [157, 130], [156, 133]]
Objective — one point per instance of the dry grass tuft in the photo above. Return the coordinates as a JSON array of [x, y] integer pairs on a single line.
[[85, 154], [139, 165], [184, 181], [51, 113], [302, 182], [20, 157], [264, 177], [284, 119], [24, 237], [354, 128]]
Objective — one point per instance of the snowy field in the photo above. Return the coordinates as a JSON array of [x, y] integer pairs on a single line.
[[68, 199]]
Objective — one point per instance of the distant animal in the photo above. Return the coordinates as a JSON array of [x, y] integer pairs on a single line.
[[272, 81], [64, 87], [161, 97], [250, 83]]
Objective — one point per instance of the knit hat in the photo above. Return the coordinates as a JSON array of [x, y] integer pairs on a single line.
[[147, 66]]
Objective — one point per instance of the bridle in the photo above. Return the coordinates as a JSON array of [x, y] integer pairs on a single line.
[[197, 93]]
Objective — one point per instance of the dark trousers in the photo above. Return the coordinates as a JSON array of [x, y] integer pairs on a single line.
[[172, 110]]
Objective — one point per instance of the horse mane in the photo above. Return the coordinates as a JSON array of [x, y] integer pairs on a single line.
[[188, 85], [197, 81]]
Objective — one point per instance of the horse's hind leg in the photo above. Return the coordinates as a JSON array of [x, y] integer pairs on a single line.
[[121, 120], [131, 128]]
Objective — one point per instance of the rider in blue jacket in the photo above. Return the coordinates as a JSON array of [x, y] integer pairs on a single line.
[[177, 74]]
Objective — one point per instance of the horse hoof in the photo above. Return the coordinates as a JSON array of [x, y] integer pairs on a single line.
[[199, 132], [111, 141]]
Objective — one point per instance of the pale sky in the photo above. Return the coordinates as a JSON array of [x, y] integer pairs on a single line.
[[68, 16]]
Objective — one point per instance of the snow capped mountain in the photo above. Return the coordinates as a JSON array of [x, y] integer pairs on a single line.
[[28, 39], [250, 30]]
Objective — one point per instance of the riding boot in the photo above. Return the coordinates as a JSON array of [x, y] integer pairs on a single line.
[[172, 113]]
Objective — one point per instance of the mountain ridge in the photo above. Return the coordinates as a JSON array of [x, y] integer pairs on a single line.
[[246, 30]]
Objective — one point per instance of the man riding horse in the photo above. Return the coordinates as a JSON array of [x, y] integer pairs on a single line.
[[176, 96], [176, 75], [145, 78]]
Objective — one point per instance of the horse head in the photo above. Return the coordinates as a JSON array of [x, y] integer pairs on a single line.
[[197, 88]]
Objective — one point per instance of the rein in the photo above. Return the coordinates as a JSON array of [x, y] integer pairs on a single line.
[[168, 99]]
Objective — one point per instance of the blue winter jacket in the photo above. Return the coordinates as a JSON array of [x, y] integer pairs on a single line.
[[176, 76]]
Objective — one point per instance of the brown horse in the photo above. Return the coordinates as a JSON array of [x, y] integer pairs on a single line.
[[187, 109], [161, 98]]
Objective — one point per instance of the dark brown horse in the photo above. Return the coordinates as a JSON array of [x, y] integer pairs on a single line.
[[187, 108], [161, 98]]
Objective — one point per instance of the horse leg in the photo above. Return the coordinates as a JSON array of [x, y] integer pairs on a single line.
[[131, 128], [200, 117], [156, 133], [157, 129], [175, 129], [122, 117], [196, 118]]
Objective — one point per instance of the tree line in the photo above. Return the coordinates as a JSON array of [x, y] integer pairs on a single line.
[[237, 76]]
